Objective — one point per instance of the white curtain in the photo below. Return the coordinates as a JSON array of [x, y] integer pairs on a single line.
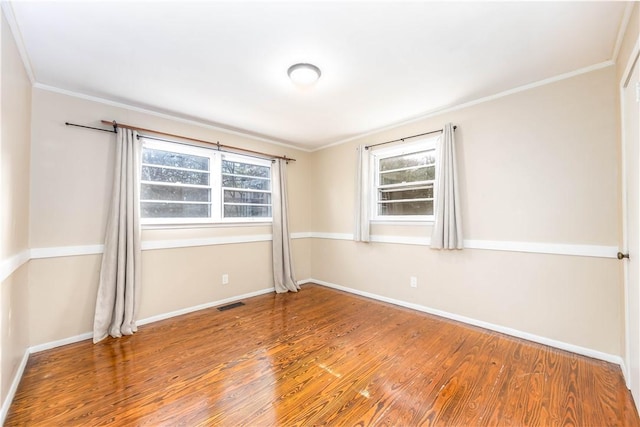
[[119, 288], [363, 196], [283, 278], [447, 228]]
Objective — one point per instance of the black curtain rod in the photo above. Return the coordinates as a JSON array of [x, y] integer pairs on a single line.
[[89, 127], [366, 147], [220, 147]]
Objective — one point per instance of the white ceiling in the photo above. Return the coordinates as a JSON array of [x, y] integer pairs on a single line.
[[383, 63]]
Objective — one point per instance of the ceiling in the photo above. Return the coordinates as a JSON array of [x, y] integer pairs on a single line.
[[383, 63]]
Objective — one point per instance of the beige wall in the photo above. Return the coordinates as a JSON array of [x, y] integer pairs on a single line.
[[71, 185], [15, 89], [16, 118], [536, 166], [78, 163], [571, 299]]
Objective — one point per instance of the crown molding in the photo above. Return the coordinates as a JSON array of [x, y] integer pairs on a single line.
[[622, 30], [7, 10], [163, 115], [468, 104]]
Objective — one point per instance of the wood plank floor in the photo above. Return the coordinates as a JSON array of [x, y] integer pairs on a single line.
[[317, 357]]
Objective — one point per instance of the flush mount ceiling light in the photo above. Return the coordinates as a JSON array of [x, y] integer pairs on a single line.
[[304, 74]]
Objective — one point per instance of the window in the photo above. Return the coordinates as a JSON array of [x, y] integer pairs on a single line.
[[246, 188], [404, 178], [183, 184]]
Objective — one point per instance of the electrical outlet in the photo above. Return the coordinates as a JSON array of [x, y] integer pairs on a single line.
[[413, 281], [225, 279]]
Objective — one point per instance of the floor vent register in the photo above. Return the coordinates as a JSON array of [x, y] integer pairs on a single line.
[[230, 306]]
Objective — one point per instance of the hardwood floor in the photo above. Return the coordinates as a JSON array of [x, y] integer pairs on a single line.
[[317, 357]]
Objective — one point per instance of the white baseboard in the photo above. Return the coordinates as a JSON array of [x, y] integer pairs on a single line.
[[612, 358], [625, 373], [202, 307], [6, 404], [59, 343], [145, 321]]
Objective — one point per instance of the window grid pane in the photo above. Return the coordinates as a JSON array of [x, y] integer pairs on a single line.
[[253, 197], [243, 211], [421, 158], [252, 183], [178, 176], [178, 160], [246, 190], [245, 169], [406, 208], [174, 193], [175, 210], [423, 173], [405, 193], [405, 184]]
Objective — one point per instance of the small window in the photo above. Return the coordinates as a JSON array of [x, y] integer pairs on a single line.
[[246, 187], [404, 181], [183, 184]]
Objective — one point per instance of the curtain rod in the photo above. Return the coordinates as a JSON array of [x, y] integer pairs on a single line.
[[89, 127], [217, 144], [366, 147]]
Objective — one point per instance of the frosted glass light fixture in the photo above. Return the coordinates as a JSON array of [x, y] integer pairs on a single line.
[[304, 74]]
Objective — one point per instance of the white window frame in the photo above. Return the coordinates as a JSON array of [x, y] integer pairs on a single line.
[[249, 160], [422, 144], [215, 184]]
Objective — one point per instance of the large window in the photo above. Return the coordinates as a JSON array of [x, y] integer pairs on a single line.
[[404, 178], [183, 184]]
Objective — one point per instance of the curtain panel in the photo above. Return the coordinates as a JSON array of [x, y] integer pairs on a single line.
[[447, 227], [119, 287], [362, 232], [283, 277]]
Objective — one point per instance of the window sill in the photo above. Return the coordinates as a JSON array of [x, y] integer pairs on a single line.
[[206, 225], [407, 222]]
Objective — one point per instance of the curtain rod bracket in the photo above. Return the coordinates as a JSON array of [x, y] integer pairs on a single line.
[[115, 126], [218, 145]]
